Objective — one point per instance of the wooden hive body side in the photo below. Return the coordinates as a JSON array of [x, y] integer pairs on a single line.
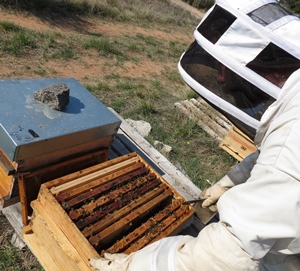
[[29, 183], [53, 237]]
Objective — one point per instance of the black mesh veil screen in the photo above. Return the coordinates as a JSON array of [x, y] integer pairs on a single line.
[[274, 59], [216, 24], [268, 13], [226, 84]]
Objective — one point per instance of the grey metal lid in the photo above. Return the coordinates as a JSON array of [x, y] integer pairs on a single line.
[[25, 121]]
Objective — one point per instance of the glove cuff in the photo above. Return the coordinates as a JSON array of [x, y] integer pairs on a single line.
[[225, 183]]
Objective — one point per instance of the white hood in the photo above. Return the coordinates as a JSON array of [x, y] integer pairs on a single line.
[[242, 36]]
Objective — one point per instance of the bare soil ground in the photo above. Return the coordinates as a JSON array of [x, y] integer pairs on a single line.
[[84, 69], [88, 66]]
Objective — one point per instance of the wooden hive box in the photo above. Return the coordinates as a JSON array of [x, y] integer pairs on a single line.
[[29, 183], [118, 206], [237, 144]]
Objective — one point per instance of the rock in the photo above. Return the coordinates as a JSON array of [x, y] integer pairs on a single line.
[[55, 96], [17, 242], [163, 148], [142, 127]]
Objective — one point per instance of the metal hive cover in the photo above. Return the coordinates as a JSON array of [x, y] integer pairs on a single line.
[[29, 127]]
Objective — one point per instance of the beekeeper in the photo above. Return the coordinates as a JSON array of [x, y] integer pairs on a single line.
[[252, 49]]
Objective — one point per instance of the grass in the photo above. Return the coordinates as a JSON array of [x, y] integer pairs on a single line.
[[149, 97], [11, 258]]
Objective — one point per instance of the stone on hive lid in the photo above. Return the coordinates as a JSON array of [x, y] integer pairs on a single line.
[[55, 96]]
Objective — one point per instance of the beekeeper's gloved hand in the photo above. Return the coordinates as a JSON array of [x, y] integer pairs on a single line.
[[111, 262], [213, 193], [238, 174]]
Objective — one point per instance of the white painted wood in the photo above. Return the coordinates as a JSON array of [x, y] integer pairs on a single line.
[[211, 121], [14, 216]]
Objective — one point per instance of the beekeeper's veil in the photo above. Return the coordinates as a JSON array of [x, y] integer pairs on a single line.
[[238, 44]]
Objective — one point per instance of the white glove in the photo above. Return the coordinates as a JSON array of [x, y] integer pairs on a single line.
[[111, 262], [213, 193]]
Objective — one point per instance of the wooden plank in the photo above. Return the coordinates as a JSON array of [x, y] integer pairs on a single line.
[[7, 202], [14, 216], [68, 228], [7, 168], [238, 144], [202, 119], [207, 123], [35, 244], [88, 180], [217, 117], [62, 155], [56, 245], [82, 162], [67, 178], [231, 139], [23, 199]]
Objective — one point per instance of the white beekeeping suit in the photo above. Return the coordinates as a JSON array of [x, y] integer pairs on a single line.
[[263, 213], [259, 226], [249, 42]]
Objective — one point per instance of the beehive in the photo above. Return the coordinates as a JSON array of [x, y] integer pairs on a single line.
[[118, 206], [35, 136]]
